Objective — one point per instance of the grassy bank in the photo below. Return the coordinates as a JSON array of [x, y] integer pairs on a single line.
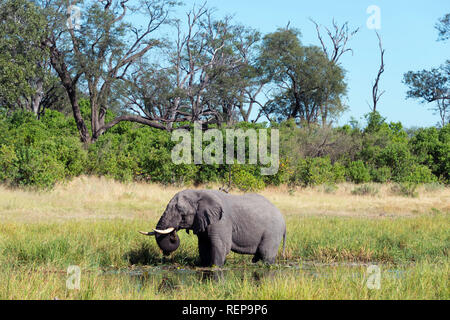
[[332, 238]]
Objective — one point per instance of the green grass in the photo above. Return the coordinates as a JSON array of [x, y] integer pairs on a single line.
[[35, 257]]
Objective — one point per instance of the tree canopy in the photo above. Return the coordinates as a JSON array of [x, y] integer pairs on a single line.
[[307, 85]]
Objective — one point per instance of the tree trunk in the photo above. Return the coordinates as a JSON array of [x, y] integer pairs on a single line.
[[57, 61], [37, 98]]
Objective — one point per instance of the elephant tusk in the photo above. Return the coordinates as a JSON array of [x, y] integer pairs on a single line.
[[167, 231], [147, 233]]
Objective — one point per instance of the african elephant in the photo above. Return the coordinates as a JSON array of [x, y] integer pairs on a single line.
[[246, 224]]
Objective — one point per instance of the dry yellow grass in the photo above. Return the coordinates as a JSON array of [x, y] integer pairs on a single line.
[[100, 198], [314, 201]]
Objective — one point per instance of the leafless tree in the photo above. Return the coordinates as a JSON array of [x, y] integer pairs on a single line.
[[338, 36], [202, 80], [376, 95]]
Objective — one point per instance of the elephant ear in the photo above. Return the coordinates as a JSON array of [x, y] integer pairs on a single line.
[[209, 211]]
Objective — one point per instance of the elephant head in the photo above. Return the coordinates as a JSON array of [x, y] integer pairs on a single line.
[[189, 210]]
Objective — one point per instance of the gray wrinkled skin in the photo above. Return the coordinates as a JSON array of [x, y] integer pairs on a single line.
[[247, 224]]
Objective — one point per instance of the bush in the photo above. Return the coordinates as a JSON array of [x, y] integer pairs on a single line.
[[419, 174], [433, 187], [40, 153], [339, 172], [138, 153], [330, 188], [431, 146], [357, 172], [283, 174], [365, 190], [37, 168], [313, 171], [33, 154], [8, 164], [381, 175], [245, 181], [406, 189], [398, 157]]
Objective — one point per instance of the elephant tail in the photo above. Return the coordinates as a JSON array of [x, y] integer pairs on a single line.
[[284, 244]]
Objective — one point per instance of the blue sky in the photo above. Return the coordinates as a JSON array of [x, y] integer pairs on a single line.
[[407, 30]]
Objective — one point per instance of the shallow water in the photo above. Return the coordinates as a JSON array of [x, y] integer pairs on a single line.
[[171, 277]]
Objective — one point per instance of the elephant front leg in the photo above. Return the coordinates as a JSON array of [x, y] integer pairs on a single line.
[[212, 250], [218, 254], [204, 249], [220, 247]]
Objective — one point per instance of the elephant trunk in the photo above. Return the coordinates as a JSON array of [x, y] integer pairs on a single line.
[[168, 243], [166, 233]]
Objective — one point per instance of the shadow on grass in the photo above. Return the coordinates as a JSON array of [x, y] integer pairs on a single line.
[[143, 255], [149, 255]]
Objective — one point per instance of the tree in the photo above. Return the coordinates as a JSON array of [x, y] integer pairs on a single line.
[[101, 52], [431, 86], [204, 75], [24, 67], [338, 36], [443, 26], [376, 96], [304, 78]]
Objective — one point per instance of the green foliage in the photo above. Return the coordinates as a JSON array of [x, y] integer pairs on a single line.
[[40, 153], [357, 172], [130, 152], [431, 146], [307, 80], [381, 175], [316, 171], [420, 174], [22, 27], [245, 181], [35, 153]]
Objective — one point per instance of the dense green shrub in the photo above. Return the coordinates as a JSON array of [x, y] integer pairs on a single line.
[[40, 153], [245, 181], [312, 171], [357, 172], [35, 153], [398, 157], [431, 146], [381, 175], [338, 172], [420, 174], [131, 152]]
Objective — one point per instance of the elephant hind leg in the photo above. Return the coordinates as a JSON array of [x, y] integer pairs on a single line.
[[267, 250], [265, 258], [257, 257]]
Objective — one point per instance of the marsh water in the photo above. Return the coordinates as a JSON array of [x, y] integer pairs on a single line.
[[169, 277]]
